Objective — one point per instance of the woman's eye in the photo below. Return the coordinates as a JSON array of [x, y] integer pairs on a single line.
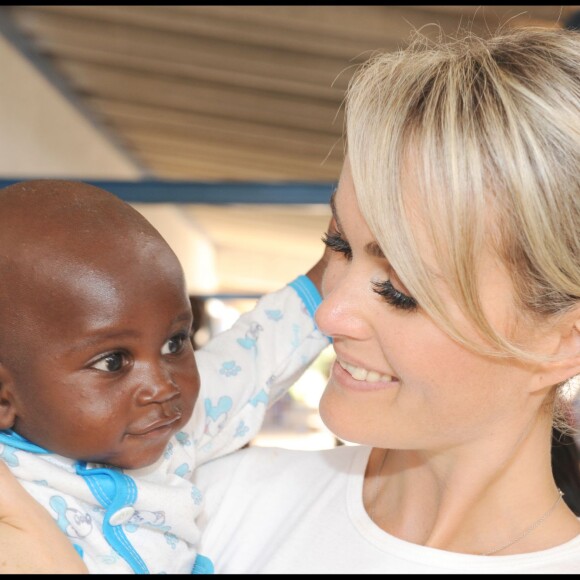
[[111, 363], [337, 243], [174, 344], [393, 296]]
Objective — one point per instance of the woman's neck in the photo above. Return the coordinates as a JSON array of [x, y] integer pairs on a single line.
[[471, 500]]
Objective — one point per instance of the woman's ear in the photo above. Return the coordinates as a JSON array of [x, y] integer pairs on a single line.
[[7, 406], [566, 363]]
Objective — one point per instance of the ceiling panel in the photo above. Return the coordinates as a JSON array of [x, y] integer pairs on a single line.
[[232, 92]]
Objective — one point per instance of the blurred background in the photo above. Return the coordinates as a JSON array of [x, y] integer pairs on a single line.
[[221, 124]]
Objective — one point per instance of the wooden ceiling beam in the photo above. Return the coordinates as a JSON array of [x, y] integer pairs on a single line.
[[185, 123], [167, 167], [200, 165], [235, 92], [62, 33], [170, 19], [245, 104], [373, 24], [244, 76], [316, 148], [249, 157]]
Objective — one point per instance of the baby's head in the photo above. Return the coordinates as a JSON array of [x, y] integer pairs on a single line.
[[96, 361]]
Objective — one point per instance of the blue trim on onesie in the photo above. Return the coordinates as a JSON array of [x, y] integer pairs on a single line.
[[114, 490], [12, 438], [309, 295], [202, 565], [308, 292]]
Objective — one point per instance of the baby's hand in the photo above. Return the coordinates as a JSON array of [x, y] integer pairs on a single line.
[[30, 540]]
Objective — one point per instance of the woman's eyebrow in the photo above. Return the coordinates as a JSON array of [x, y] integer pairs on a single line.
[[373, 249]]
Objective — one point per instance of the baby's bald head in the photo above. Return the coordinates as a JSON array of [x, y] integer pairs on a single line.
[[52, 210], [94, 329], [62, 238]]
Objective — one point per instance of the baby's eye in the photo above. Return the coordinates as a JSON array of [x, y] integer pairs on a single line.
[[174, 344], [111, 363]]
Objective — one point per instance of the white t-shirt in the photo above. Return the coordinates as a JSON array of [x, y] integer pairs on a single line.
[[284, 511]]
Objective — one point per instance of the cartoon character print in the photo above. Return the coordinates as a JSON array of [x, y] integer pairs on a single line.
[[145, 517], [216, 415], [196, 495], [74, 523], [241, 429], [230, 368], [8, 455], [183, 470], [260, 397], [168, 451], [183, 438], [251, 337], [154, 520], [274, 315]]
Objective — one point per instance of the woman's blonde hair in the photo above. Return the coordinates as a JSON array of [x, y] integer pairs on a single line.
[[491, 130]]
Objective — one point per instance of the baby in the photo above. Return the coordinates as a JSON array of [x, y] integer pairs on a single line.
[[98, 378]]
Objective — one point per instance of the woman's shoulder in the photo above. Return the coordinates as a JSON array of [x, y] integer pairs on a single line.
[[257, 491], [257, 463]]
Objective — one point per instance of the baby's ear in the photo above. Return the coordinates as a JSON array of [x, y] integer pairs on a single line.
[[7, 407]]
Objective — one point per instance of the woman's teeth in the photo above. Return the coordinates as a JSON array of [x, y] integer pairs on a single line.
[[361, 374]]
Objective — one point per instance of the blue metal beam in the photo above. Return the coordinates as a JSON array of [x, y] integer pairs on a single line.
[[218, 193]]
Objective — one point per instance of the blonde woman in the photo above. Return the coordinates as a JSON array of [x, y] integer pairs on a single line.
[[453, 301]]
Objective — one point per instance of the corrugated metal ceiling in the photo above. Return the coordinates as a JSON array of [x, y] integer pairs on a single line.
[[231, 92]]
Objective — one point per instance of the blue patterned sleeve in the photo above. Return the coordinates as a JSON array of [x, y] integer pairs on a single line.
[[250, 365]]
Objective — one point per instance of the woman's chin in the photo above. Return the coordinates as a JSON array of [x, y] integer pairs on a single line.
[[337, 418]]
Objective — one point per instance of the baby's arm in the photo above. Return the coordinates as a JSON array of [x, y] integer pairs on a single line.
[[244, 369], [30, 540]]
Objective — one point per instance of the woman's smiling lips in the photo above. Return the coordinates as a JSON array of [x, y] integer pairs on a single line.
[[354, 377]]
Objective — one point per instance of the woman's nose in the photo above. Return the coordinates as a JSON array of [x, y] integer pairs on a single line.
[[344, 310]]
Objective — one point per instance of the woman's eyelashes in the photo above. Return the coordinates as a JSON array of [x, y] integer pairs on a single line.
[[337, 243], [393, 296], [385, 289]]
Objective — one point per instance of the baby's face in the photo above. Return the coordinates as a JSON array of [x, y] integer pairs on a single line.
[[109, 373]]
